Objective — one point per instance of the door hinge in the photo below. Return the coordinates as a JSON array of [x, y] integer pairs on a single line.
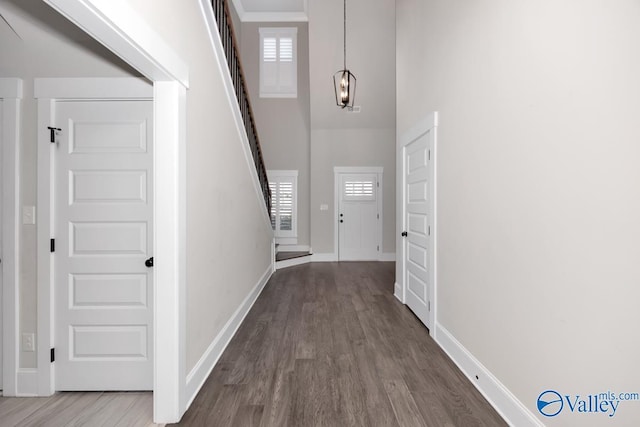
[[378, 184], [429, 154], [378, 248], [53, 245], [53, 355], [378, 216], [429, 305], [429, 230], [53, 132]]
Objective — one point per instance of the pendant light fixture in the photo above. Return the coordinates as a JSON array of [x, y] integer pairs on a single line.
[[344, 82]]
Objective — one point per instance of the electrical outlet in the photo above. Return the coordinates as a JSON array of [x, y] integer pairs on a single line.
[[28, 342]]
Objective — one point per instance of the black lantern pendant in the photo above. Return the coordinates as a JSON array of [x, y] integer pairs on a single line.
[[344, 82]]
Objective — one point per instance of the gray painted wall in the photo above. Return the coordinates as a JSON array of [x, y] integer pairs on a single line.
[[47, 45], [283, 123], [538, 196], [339, 138]]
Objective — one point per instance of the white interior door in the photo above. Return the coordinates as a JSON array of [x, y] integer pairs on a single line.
[[103, 235], [358, 217], [417, 223]]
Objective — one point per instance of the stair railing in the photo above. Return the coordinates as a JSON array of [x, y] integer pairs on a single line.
[[229, 43]]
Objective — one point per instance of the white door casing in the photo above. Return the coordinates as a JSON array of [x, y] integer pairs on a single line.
[[103, 212], [418, 258], [358, 214]]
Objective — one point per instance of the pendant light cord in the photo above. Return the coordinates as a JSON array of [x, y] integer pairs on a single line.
[[345, 34]]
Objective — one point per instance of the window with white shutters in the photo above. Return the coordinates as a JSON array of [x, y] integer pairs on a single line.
[[283, 185], [359, 187], [278, 63]]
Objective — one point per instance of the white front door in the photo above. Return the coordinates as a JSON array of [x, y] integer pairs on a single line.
[[358, 217], [417, 222], [103, 231]]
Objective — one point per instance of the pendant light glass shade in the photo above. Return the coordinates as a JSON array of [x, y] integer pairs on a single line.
[[344, 82]]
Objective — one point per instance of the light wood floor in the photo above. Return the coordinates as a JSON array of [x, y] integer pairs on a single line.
[[79, 409], [327, 344]]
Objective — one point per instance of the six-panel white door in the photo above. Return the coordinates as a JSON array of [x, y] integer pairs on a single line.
[[358, 217], [103, 235], [417, 227]]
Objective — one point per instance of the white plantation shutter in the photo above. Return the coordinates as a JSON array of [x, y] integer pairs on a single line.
[[283, 186], [359, 187], [278, 62]]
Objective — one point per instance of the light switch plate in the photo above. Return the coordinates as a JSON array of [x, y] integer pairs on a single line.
[[324, 207], [29, 215]]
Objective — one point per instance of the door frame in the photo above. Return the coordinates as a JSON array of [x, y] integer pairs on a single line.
[[338, 171], [11, 94], [49, 91], [123, 31], [429, 125]]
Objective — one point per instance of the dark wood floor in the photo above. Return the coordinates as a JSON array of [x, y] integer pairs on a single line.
[[327, 344]]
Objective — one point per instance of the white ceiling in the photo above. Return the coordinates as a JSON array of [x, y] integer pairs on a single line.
[[272, 10]]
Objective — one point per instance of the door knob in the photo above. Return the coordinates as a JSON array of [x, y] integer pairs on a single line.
[[404, 234], [149, 262], [341, 221]]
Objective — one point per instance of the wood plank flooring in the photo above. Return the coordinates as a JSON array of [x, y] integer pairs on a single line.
[[107, 409], [327, 344]]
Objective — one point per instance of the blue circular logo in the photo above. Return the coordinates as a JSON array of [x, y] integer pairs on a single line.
[[550, 403]]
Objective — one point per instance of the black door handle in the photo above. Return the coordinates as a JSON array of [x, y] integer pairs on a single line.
[[404, 234], [149, 262], [341, 221]]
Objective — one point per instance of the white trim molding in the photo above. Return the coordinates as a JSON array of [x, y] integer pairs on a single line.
[[11, 94], [121, 29], [324, 257], [305, 259], [496, 393], [207, 362], [27, 382], [245, 16]]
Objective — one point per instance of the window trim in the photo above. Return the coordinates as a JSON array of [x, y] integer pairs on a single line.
[[279, 32]]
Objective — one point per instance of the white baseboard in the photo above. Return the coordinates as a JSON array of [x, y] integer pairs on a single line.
[[503, 401], [293, 248], [397, 292], [293, 261], [27, 382], [387, 256], [200, 372], [324, 258]]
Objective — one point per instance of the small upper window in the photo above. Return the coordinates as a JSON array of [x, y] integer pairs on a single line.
[[278, 63]]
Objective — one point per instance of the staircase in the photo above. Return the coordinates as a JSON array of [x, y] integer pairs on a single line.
[[225, 28]]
